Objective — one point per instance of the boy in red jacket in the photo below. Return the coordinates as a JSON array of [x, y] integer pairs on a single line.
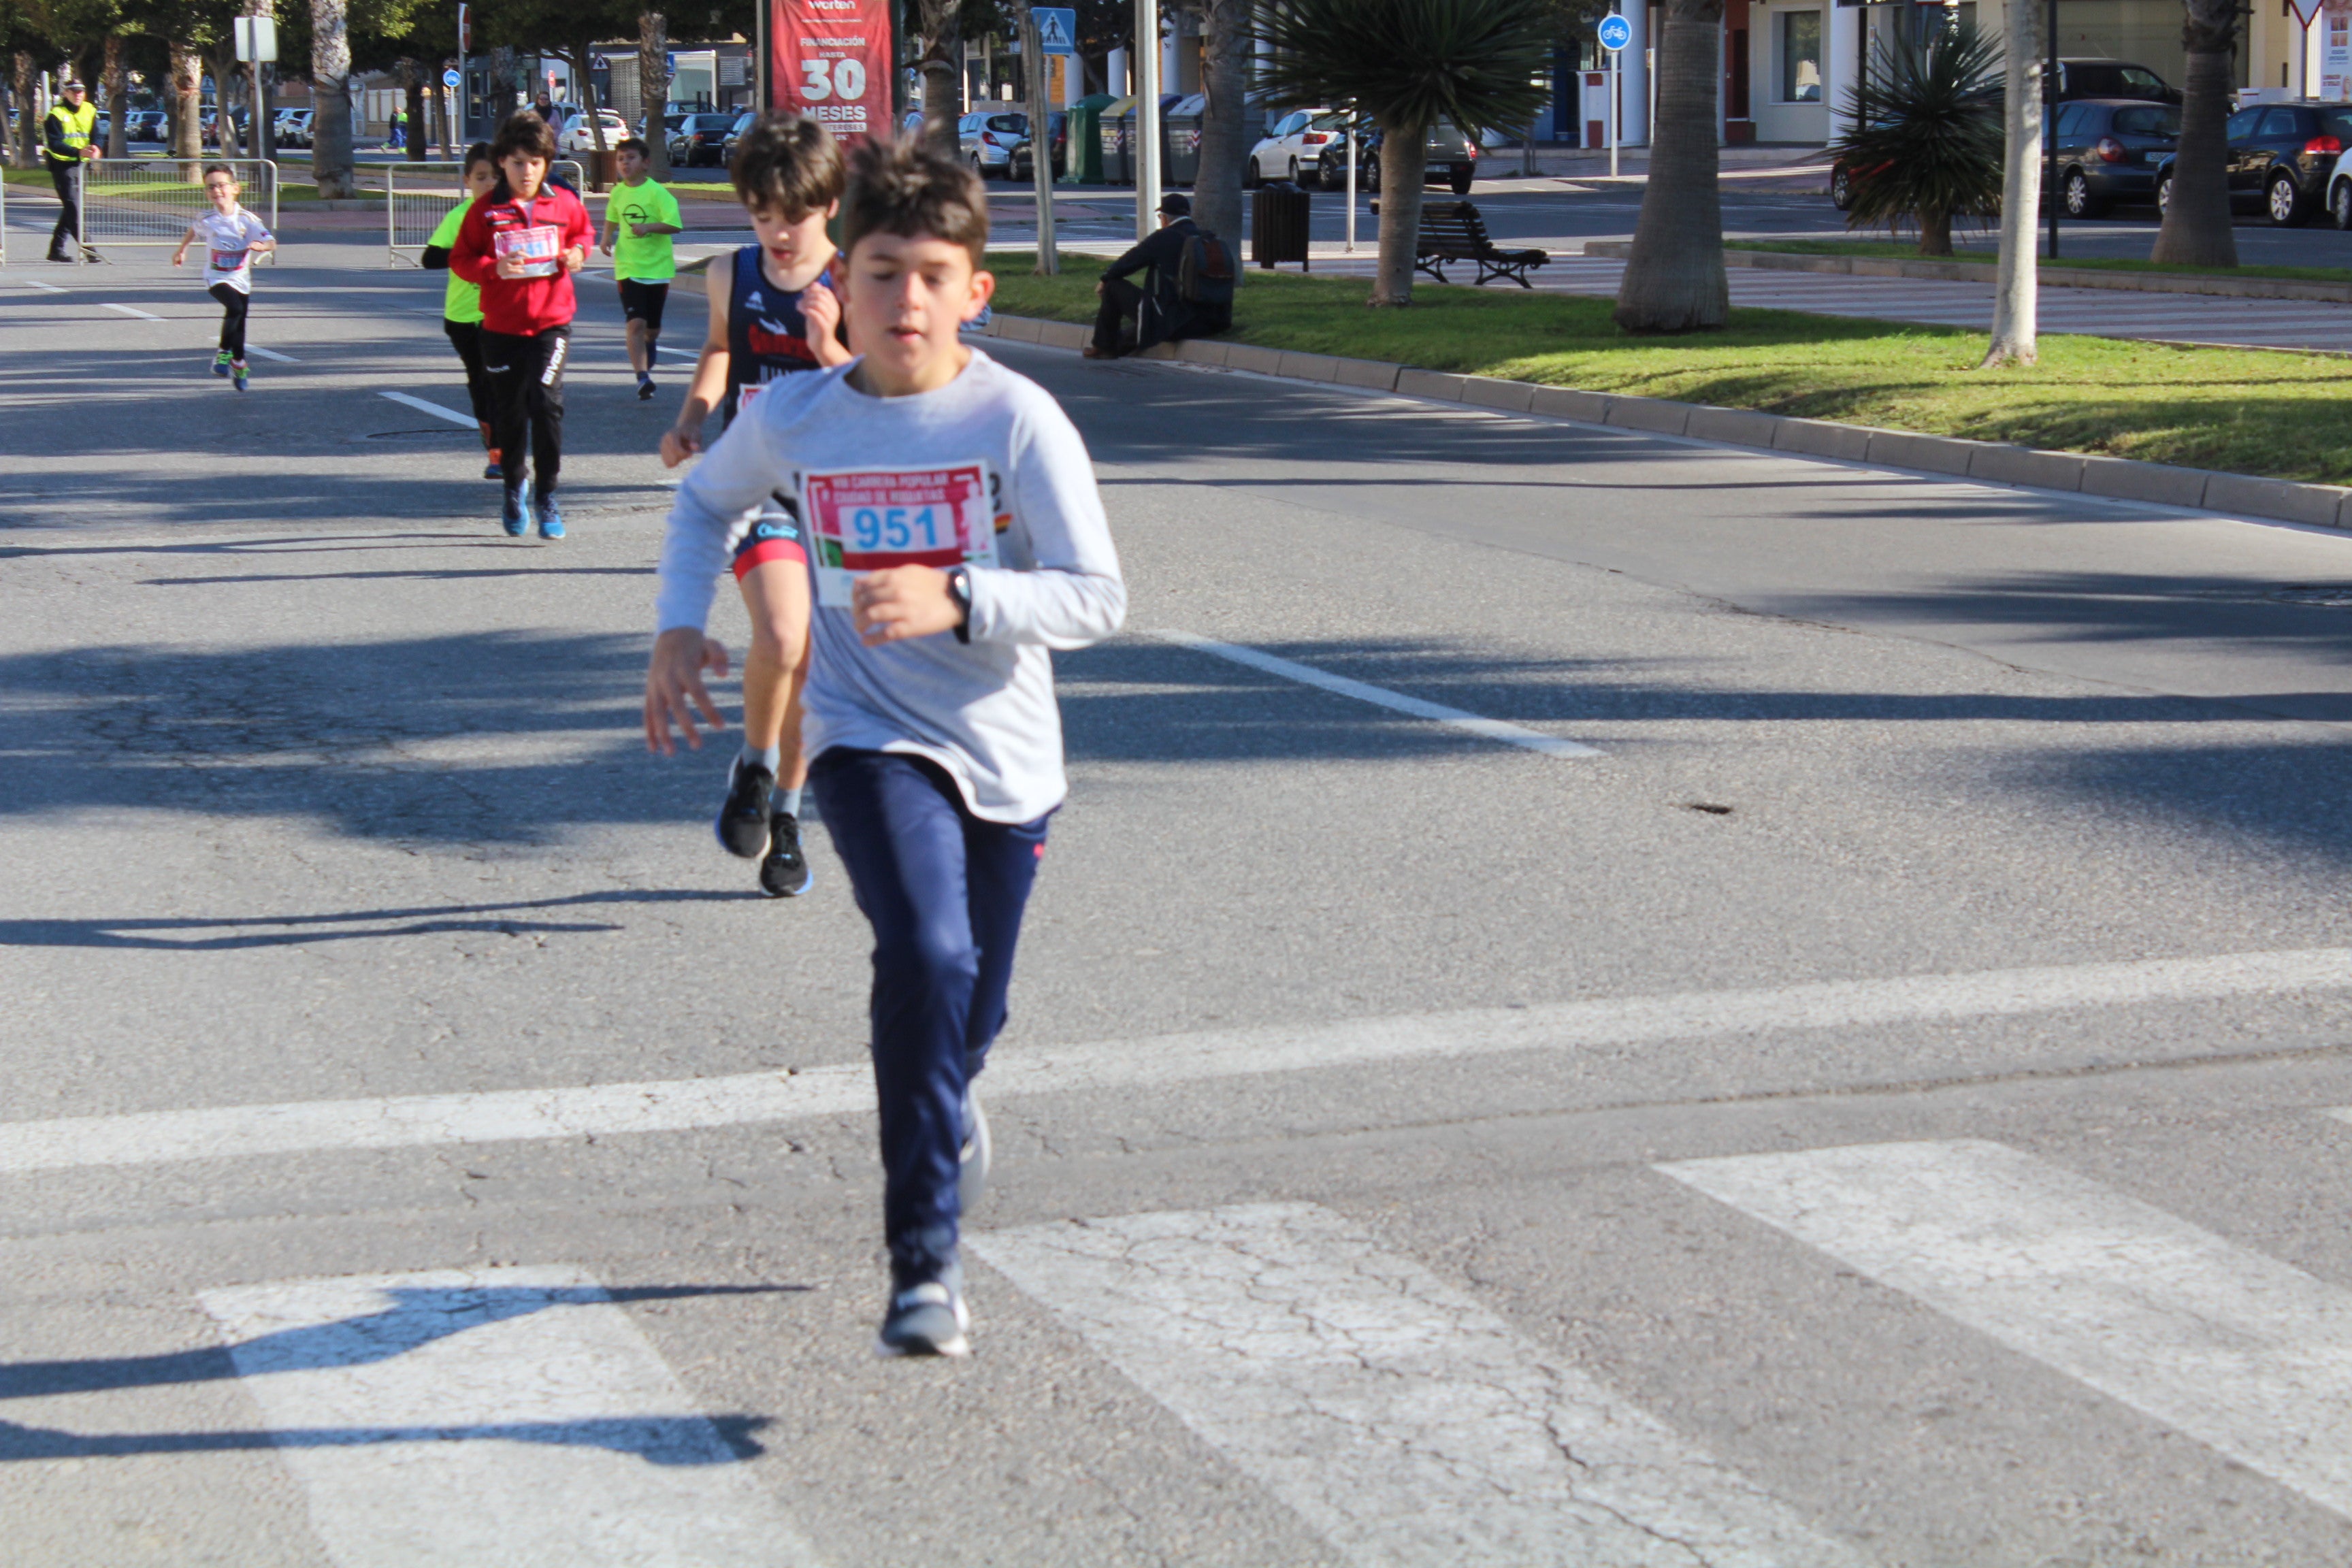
[[522, 242]]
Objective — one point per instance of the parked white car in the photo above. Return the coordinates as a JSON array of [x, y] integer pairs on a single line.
[[1293, 149], [578, 136], [2339, 191]]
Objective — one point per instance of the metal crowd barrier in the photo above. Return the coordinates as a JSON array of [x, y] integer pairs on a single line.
[[152, 201], [418, 196]]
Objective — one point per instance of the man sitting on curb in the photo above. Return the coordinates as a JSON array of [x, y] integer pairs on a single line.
[[1162, 314]]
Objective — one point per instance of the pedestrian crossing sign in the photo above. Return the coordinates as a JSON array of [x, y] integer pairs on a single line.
[[1057, 29]]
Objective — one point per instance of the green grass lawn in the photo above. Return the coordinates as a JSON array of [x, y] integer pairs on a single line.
[[2242, 410], [1904, 251]]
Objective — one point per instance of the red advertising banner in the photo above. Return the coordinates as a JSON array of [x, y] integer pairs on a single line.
[[831, 62]]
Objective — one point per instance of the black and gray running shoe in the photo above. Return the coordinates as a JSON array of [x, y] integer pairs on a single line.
[[742, 825], [784, 871], [926, 1317]]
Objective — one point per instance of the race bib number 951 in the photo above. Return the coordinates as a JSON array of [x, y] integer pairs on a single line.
[[870, 518]]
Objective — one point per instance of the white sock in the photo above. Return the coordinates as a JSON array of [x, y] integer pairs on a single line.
[[770, 759], [789, 801]]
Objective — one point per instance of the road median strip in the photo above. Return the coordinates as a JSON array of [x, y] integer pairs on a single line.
[[1992, 462], [1961, 269]]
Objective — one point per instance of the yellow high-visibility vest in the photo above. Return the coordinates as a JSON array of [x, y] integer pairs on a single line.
[[75, 127]]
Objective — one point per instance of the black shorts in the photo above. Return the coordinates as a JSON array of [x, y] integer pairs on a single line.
[[643, 301], [776, 536]]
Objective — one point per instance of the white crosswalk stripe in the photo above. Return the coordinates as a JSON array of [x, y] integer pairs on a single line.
[[2239, 1350], [514, 1416], [1402, 1420]]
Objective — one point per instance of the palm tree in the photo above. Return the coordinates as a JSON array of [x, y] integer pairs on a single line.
[[1673, 277], [1406, 64], [331, 121], [2195, 228], [1924, 142], [940, 24], [1225, 140], [653, 88]]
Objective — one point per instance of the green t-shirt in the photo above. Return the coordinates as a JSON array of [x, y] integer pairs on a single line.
[[649, 259], [461, 300]]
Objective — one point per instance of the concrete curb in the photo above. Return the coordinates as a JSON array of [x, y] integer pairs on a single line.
[[1986, 272], [1994, 462]]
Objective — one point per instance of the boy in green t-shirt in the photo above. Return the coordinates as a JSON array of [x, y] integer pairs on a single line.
[[461, 302], [639, 219]]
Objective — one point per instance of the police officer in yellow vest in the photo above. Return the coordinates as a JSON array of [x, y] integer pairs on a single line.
[[67, 146]]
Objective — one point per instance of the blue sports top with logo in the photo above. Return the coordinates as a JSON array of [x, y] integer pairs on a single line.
[[767, 336]]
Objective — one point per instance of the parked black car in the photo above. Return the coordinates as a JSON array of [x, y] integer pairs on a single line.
[[2113, 79], [1058, 128], [701, 139], [2107, 151], [2280, 157], [743, 122]]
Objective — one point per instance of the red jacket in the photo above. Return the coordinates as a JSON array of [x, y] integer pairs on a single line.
[[520, 306]]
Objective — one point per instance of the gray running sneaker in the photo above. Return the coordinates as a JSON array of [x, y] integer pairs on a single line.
[[926, 1317], [971, 1172]]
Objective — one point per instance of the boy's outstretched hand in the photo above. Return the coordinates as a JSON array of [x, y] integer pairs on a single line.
[[674, 689], [902, 602]]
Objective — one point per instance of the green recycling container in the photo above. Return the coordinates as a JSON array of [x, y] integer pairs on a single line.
[[1084, 160]]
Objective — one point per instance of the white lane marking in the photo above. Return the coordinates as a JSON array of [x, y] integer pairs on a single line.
[[2236, 1349], [44, 287], [259, 353], [1402, 1420], [675, 1105], [507, 1416], [682, 353], [1396, 701], [451, 415], [125, 310]]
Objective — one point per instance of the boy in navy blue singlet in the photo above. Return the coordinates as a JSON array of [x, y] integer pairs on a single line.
[[774, 312]]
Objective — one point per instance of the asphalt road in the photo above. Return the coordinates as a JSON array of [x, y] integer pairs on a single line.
[[1813, 1038]]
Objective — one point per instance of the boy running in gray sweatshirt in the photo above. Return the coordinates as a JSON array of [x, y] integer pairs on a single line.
[[955, 536]]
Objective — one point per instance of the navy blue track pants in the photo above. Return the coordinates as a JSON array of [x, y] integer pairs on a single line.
[[944, 892]]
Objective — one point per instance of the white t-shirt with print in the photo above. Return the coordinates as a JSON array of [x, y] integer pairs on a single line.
[[228, 247]]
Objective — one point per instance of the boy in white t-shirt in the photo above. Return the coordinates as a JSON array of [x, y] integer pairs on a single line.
[[232, 237], [955, 536]]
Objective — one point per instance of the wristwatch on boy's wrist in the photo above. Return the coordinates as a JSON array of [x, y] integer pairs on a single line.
[[960, 589]]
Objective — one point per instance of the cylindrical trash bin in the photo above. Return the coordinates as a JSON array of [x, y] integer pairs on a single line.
[[1279, 216]]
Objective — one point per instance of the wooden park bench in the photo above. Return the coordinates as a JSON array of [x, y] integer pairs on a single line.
[[1453, 231]]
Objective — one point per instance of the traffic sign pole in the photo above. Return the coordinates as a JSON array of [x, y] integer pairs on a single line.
[[1614, 33]]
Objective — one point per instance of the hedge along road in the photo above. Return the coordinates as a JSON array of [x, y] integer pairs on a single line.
[[1902, 812]]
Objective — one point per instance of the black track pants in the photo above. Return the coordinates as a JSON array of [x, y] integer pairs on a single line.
[[527, 394], [235, 302]]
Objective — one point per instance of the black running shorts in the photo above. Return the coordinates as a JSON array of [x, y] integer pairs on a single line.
[[643, 301]]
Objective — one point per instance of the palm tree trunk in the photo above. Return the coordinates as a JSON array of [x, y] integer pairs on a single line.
[[1224, 139], [330, 100], [1934, 233], [2196, 229], [653, 88], [1675, 280], [942, 76], [220, 62], [2018, 279], [187, 102], [1405, 167], [20, 88], [118, 109]]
